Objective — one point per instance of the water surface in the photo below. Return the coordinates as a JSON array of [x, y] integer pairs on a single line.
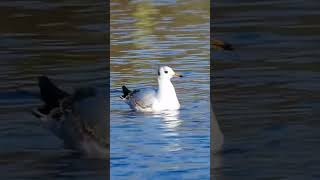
[[267, 91], [170, 145], [64, 40]]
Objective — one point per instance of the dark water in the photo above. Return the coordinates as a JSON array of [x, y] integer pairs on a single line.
[[267, 91], [145, 35], [65, 40]]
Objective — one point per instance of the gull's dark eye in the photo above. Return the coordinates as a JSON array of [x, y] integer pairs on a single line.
[[166, 72]]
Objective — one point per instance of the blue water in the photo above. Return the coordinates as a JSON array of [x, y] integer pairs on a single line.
[[170, 145]]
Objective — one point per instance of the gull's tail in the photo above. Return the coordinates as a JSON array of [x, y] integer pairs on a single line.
[[217, 44], [50, 94], [125, 91]]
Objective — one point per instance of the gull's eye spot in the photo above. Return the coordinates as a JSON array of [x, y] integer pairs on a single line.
[[166, 72]]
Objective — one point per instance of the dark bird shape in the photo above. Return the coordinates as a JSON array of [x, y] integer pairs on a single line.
[[79, 119], [221, 45]]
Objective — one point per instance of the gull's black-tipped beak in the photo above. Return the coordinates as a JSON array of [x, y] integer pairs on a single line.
[[217, 44], [177, 75]]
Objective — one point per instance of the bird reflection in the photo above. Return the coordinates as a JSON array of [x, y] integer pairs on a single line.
[[171, 124], [171, 119]]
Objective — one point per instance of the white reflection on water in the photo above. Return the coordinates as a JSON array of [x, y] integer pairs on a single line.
[[171, 122], [170, 118]]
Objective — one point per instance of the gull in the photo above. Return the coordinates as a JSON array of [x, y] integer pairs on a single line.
[[216, 133], [217, 140], [154, 100], [79, 119], [217, 136]]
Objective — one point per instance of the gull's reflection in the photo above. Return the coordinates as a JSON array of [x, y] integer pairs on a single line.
[[171, 124], [171, 119]]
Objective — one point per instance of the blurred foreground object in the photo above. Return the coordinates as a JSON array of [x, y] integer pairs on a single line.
[[79, 119]]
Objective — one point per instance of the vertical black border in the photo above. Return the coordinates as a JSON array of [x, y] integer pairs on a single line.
[[211, 87], [108, 47]]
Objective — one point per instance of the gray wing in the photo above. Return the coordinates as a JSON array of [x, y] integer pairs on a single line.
[[143, 97], [89, 105]]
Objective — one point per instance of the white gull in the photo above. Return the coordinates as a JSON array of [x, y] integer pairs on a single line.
[[154, 100]]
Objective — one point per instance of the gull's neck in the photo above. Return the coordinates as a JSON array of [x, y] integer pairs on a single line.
[[166, 91]]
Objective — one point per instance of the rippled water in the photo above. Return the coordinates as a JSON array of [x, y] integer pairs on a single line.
[[66, 41], [145, 34], [267, 91]]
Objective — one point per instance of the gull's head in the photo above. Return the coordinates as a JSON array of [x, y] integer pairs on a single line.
[[167, 72]]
